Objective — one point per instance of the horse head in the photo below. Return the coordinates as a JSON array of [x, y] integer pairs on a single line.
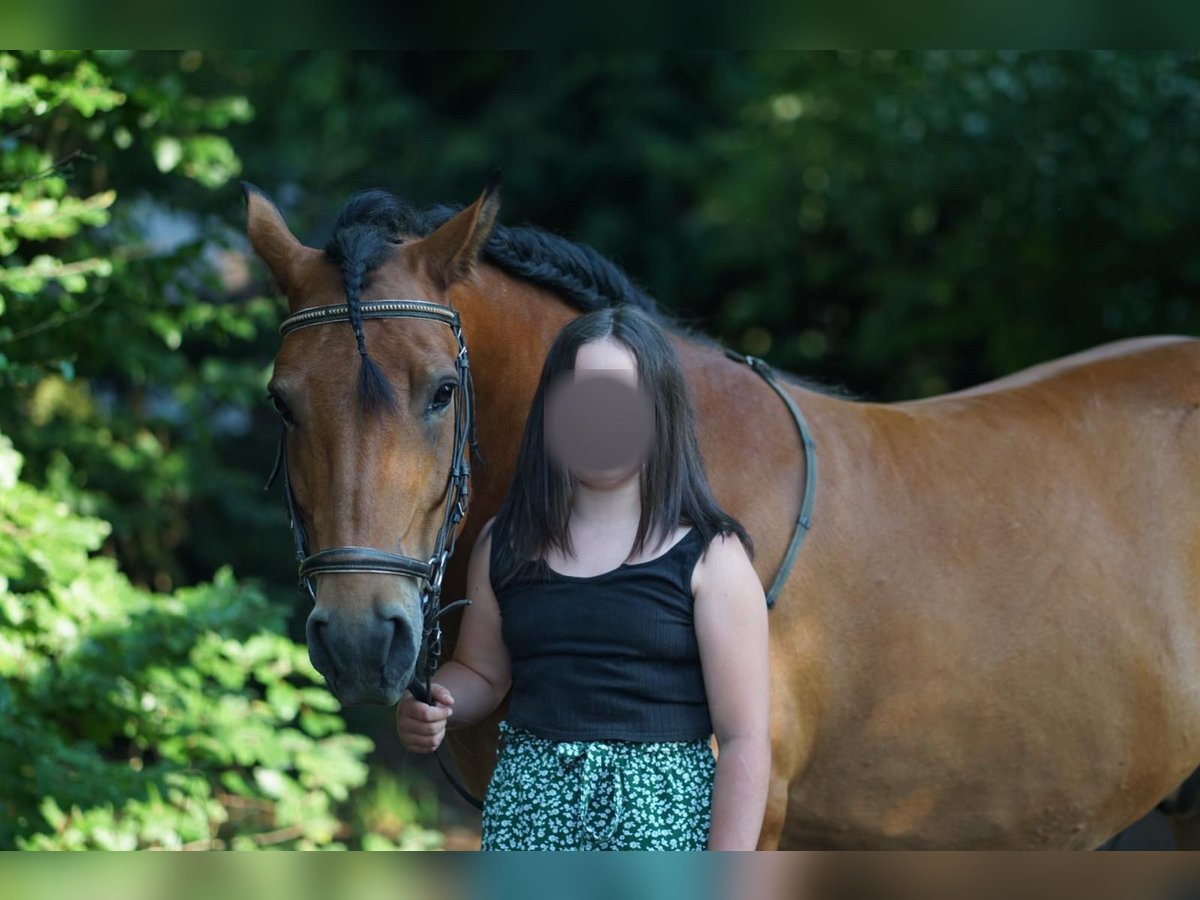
[[372, 412]]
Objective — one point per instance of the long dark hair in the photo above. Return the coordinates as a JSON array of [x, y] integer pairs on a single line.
[[674, 487]]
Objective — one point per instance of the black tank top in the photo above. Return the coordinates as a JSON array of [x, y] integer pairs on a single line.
[[606, 657]]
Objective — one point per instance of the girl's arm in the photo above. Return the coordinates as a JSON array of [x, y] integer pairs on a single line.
[[480, 673], [731, 630]]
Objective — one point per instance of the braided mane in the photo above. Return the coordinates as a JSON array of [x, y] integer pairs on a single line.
[[584, 278], [374, 222], [363, 236]]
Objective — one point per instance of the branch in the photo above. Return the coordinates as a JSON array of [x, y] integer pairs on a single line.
[[46, 173], [53, 322], [233, 800], [205, 844], [279, 836]]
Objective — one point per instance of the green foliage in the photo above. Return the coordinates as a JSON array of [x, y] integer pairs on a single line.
[[386, 813], [132, 720], [119, 340], [937, 219]]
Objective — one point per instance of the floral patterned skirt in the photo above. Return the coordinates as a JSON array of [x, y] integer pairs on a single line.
[[597, 795]]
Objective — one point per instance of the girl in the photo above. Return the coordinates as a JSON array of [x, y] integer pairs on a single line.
[[619, 602]]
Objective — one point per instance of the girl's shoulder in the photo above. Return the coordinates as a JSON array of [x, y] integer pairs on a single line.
[[485, 533], [723, 557], [505, 570]]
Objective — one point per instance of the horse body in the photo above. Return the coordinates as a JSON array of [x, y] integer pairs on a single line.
[[991, 636], [1005, 587]]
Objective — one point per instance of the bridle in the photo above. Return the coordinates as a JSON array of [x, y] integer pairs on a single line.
[[340, 560]]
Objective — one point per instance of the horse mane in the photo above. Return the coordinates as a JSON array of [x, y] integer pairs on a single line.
[[582, 277]]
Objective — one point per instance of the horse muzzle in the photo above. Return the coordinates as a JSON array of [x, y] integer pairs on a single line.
[[366, 658]]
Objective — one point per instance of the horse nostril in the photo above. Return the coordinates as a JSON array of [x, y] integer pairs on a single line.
[[399, 652], [399, 632], [318, 650]]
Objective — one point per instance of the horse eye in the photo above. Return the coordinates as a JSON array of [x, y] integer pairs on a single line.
[[444, 394], [281, 408]]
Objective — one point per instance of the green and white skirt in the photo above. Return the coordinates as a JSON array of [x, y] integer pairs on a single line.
[[597, 795]]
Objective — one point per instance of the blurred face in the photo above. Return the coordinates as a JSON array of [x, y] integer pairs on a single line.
[[599, 421]]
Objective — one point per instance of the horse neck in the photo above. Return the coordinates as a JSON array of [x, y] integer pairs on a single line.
[[508, 325]]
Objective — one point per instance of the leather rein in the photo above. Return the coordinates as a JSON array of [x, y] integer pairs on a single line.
[[430, 572]]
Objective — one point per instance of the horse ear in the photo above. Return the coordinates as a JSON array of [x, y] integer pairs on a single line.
[[453, 250], [272, 240]]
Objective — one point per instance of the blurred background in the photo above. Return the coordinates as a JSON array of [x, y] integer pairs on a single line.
[[900, 224]]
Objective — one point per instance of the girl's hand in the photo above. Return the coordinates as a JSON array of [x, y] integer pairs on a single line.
[[422, 727]]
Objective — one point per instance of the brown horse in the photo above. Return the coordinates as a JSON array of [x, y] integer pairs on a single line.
[[991, 638]]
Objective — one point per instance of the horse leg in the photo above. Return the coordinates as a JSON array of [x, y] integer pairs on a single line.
[[776, 811], [776, 814], [1187, 832], [1182, 806]]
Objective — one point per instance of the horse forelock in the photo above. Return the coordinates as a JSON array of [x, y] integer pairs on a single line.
[[366, 232]]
